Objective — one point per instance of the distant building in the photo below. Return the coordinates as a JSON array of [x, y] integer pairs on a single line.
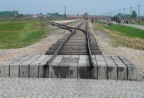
[[86, 15], [34, 16], [100, 17], [75, 17], [37, 15]]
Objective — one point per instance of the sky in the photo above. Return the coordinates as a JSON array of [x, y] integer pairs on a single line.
[[93, 7]]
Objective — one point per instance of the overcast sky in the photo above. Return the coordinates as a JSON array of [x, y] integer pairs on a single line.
[[93, 7]]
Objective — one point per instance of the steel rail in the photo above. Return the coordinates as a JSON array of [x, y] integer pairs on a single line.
[[91, 63], [61, 26], [67, 27], [61, 45]]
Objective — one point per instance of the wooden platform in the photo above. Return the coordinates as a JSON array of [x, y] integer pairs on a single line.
[[70, 66]]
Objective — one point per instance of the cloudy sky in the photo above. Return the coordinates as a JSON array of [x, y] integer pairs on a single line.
[[93, 7]]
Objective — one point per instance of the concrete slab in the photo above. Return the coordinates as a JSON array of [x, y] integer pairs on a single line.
[[24, 67], [122, 68], [73, 67], [63, 66], [102, 67], [112, 68], [34, 67], [5, 69], [14, 67], [70, 66], [99, 58], [132, 70], [83, 71], [94, 71], [44, 68], [53, 67]]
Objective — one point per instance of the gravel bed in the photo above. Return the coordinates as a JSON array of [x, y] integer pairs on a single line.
[[69, 88], [134, 55]]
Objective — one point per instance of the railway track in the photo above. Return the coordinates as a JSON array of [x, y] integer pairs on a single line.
[[79, 42], [76, 55]]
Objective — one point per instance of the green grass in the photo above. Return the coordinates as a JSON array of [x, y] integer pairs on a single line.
[[21, 34], [141, 23], [127, 31]]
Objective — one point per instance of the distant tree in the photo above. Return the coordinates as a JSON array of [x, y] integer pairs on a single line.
[[20, 15], [48, 13], [120, 15], [6, 13], [127, 16], [115, 18], [134, 14]]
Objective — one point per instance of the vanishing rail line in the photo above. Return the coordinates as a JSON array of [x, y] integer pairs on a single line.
[[78, 41]]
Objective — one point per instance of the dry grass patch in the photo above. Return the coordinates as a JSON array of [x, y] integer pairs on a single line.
[[120, 38], [136, 43]]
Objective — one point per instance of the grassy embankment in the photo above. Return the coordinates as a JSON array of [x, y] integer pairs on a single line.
[[141, 23], [21, 34], [124, 35]]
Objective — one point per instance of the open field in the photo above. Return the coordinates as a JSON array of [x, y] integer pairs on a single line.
[[141, 23], [124, 35], [21, 34], [126, 30]]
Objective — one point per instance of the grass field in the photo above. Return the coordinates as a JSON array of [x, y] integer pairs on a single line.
[[21, 34], [126, 30], [124, 35], [141, 23]]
